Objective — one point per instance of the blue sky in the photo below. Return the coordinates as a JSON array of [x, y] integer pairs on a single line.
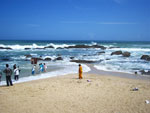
[[75, 20]]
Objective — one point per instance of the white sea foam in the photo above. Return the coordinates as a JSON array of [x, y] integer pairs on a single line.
[[110, 68], [132, 49], [33, 46], [18, 47], [94, 43], [59, 45]]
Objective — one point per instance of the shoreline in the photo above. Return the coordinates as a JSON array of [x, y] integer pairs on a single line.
[[93, 70]]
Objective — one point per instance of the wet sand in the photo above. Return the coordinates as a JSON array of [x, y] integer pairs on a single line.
[[68, 94]]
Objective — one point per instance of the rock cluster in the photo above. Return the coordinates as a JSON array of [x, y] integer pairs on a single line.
[[124, 54]]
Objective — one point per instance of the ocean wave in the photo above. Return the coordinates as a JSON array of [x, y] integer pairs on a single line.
[[49, 46], [18, 47], [34, 46], [59, 45]]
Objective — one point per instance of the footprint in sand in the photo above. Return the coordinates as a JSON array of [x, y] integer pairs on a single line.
[[79, 82]]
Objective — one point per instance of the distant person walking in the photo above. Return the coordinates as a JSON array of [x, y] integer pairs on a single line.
[[80, 71], [16, 73], [8, 73], [0, 75]]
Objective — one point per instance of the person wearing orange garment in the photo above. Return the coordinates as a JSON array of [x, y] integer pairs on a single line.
[[80, 71]]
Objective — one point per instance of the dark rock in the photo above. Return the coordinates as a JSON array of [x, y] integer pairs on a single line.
[[126, 54], [116, 53], [5, 59], [27, 56], [113, 47], [59, 58], [27, 48], [6, 48], [86, 55], [49, 47], [39, 48], [143, 72], [71, 57], [145, 57], [82, 61], [60, 48], [107, 59], [86, 46], [47, 59], [99, 53], [98, 46]]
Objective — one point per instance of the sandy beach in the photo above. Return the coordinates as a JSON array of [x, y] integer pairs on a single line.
[[68, 94]]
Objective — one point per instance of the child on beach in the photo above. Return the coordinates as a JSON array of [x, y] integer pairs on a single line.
[[16, 73], [45, 67]]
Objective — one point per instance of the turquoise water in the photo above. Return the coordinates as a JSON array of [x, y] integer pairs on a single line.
[[115, 62]]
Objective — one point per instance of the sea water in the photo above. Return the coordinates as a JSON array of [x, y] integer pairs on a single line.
[[104, 61]]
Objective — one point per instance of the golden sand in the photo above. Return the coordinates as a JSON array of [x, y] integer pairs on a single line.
[[67, 94]]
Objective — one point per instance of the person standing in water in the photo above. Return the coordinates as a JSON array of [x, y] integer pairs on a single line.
[[33, 70], [16, 72], [80, 71], [8, 73], [45, 67], [14, 66]]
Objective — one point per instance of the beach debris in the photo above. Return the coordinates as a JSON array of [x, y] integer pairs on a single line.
[[135, 89], [147, 101], [88, 80]]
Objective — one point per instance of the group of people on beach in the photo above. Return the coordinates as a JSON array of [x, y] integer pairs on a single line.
[[8, 71], [42, 68]]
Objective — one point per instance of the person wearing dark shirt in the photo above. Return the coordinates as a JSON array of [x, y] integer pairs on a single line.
[[8, 73]]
